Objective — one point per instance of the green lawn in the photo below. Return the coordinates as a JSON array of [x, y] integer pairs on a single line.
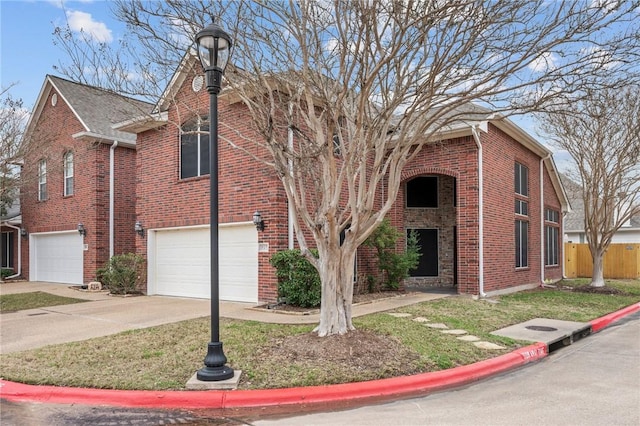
[[33, 300], [275, 356]]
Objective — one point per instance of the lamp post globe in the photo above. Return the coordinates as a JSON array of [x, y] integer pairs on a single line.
[[214, 47]]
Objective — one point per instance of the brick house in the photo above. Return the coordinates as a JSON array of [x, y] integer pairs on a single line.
[[78, 191], [10, 242], [486, 202]]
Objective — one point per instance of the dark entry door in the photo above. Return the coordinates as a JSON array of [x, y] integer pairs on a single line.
[[428, 241]]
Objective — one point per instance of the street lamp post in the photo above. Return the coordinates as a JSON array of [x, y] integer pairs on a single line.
[[214, 46]]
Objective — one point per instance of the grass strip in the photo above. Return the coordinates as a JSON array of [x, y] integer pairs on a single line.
[[33, 300]]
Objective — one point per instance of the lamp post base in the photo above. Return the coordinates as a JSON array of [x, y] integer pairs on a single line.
[[214, 365]]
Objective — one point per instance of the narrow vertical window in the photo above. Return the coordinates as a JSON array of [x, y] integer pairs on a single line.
[[521, 180], [522, 244], [42, 180], [68, 174], [521, 188], [552, 237]]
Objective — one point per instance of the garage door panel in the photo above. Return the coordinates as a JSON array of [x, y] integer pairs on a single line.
[[57, 257], [183, 268]]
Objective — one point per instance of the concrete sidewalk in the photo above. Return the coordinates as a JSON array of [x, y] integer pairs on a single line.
[[103, 314]]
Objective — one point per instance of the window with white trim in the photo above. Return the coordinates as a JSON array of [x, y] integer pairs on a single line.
[[68, 174], [194, 148], [42, 180], [552, 237], [521, 188]]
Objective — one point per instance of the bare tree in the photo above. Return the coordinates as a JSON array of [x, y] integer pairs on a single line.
[[346, 93], [601, 132], [13, 118]]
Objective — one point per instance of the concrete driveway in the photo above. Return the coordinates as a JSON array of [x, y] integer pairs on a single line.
[[103, 314]]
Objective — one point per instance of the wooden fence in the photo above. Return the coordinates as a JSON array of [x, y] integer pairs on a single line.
[[621, 261]]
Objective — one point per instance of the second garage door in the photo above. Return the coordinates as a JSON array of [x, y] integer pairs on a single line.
[[179, 259], [56, 257]]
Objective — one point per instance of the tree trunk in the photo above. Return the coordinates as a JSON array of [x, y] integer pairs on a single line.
[[597, 276], [336, 275]]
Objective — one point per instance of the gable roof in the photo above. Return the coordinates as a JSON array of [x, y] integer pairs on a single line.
[[574, 221], [96, 109]]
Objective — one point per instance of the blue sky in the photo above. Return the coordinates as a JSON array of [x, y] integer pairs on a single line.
[[27, 50]]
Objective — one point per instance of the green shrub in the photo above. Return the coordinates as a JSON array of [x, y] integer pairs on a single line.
[[123, 274], [298, 280], [394, 266], [5, 272]]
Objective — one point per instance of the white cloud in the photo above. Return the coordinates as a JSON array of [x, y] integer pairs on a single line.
[[544, 62], [608, 5], [83, 22]]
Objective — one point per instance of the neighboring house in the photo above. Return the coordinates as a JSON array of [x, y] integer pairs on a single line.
[[78, 193], [486, 202], [574, 231], [11, 243]]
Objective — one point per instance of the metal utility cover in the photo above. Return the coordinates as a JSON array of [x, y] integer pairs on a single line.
[[563, 329]]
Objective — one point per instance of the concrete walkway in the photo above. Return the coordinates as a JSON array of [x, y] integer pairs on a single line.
[[103, 314]]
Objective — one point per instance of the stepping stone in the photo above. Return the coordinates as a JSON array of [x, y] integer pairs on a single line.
[[421, 319], [469, 338], [457, 332], [437, 325], [488, 345], [399, 314]]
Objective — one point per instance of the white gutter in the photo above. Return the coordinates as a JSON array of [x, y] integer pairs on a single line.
[[290, 207], [111, 196], [19, 250], [476, 136], [542, 245]]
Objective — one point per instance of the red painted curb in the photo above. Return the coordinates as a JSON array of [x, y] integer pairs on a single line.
[[343, 393], [397, 386], [602, 322]]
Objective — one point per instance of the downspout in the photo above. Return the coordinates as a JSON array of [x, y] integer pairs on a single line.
[[476, 138], [542, 246], [290, 207], [111, 196], [19, 251]]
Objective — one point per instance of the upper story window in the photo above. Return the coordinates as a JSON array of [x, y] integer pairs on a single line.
[[422, 192], [194, 148], [42, 180], [521, 180], [68, 173]]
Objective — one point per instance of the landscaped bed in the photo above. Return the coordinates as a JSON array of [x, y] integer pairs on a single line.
[[276, 356]]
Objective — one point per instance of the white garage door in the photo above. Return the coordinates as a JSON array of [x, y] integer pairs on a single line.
[[181, 263], [56, 257]]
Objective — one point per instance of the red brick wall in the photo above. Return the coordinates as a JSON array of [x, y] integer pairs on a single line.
[[89, 203], [245, 185], [501, 152], [456, 158]]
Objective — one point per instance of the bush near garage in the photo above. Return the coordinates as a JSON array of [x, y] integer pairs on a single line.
[[298, 280], [123, 274]]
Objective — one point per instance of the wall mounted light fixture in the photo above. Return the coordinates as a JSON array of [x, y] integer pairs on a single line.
[[23, 232], [258, 221], [138, 228], [81, 229]]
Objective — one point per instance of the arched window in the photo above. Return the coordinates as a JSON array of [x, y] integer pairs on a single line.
[[68, 173], [194, 148]]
